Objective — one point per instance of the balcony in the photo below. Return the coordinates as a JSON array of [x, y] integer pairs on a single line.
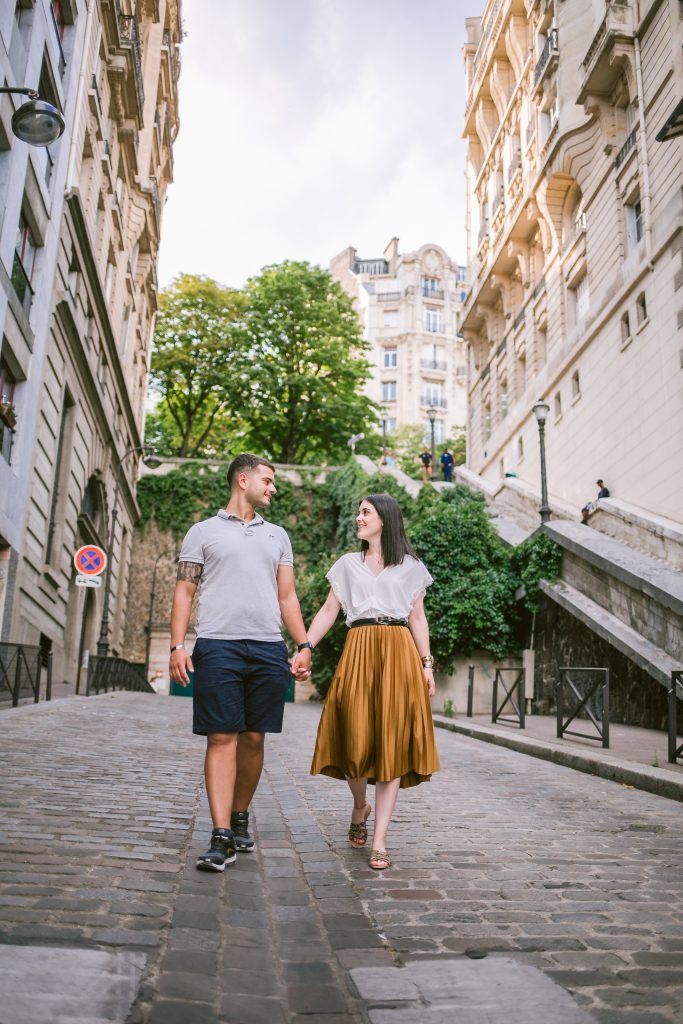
[[434, 364], [515, 167], [434, 293], [548, 59], [519, 320], [130, 43], [437, 403], [601, 67], [628, 147], [388, 296]]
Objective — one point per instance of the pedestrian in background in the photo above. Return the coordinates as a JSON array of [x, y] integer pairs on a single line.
[[426, 460], [447, 462], [244, 568], [603, 492], [376, 726]]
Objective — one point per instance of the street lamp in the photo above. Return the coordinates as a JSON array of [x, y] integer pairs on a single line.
[[153, 462], [384, 434], [541, 410], [150, 617], [431, 413], [37, 122]]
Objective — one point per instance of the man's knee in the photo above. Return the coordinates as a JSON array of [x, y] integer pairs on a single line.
[[252, 742], [221, 739]]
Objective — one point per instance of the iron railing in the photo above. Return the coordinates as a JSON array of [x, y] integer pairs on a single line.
[[20, 672], [108, 673], [388, 296], [626, 149], [130, 39], [674, 751], [598, 715], [433, 364], [548, 51], [517, 707]]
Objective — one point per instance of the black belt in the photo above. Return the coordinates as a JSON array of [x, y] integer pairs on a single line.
[[381, 620]]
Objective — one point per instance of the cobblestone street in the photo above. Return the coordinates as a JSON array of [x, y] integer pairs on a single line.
[[533, 864]]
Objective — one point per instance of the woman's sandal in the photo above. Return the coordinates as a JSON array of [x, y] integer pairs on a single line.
[[379, 860], [358, 832]]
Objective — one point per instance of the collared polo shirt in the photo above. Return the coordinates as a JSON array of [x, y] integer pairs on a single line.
[[238, 597]]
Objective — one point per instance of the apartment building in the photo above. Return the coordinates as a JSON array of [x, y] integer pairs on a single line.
[[575, 221], [410, 306], [78, 252]]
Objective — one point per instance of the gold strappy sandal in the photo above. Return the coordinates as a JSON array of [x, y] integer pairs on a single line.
[[379, 860]]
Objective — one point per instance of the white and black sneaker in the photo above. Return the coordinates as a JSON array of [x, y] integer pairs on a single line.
[[239, 823], [221, 852]]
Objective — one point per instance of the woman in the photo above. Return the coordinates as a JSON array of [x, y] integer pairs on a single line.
[[376, 724]]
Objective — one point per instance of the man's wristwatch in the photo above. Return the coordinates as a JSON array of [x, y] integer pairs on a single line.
[[177, 647], [304, 645]]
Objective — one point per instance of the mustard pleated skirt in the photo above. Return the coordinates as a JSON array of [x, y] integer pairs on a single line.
[[377, 721]]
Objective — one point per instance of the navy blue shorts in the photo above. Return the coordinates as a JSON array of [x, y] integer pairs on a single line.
[[239, 685]]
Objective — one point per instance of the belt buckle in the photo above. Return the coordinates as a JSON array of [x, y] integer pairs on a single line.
[[383, 619]]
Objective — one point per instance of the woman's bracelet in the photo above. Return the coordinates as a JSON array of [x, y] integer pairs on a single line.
[[427, 661]]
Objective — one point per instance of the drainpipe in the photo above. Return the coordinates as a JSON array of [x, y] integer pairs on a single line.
[[644, 162]]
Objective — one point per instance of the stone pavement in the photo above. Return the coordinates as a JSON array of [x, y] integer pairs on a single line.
[[519, 885]]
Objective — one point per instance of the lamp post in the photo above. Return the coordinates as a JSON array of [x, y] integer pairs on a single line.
[[431, 413], [384, 434], [153, 462], [541, 410], [150, 616], [37, 122]]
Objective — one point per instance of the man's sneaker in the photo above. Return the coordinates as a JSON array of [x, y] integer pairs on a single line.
[[239, 823], [221, 852]]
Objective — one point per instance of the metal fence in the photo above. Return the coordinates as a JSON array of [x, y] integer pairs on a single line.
[[675, 684], [105, 674], [21, 668], [593, 702], [517, 708]]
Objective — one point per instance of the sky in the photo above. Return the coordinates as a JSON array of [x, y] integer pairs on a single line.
[[307, 126]]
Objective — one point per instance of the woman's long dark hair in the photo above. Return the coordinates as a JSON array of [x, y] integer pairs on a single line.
[[395, 543]]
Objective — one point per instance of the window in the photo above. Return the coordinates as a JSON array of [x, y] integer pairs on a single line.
[[558, 406], [542, 345], [7, 386], [625, 330], [504, 398], [432, 392], [389, 391], [22, 267], [520, 449], [576, 385], [634, 224], [431, 286], [432, 320], [641, 309], [59, 23], [487, 421], [390, 318], [581, 298], [461, 275], [390, 425], [433, 357], [390, 357]]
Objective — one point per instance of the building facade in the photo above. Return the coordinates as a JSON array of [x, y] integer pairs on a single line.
[[410, 306], [78, 260], [575, 225]]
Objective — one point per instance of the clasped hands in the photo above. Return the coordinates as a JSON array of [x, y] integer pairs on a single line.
[[301, 664]]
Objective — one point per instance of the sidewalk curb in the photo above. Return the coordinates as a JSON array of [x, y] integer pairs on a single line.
[[652, 780]]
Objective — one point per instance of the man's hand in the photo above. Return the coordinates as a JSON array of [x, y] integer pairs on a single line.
[[301, 664], [179, 665]]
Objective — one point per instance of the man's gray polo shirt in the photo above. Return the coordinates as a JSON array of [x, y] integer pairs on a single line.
[[238, 589]]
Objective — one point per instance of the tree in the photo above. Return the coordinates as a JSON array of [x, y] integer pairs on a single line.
[[200, 368], [308, 365]]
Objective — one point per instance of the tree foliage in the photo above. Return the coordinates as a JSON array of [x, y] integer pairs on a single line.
[[308, 365], [200, 369]]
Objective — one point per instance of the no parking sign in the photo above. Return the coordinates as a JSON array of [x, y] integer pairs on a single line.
[[90, 562]]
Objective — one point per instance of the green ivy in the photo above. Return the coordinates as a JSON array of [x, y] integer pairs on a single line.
[[538, 558]]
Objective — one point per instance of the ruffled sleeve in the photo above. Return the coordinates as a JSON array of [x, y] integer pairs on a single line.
[[420, 578], [339, 581]]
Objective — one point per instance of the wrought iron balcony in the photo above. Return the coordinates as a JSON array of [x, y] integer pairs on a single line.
[[130, 41], [438, 403], [388, 296], [627, 148], [434, 364], [519, 320], [550, 51], [434, 293]]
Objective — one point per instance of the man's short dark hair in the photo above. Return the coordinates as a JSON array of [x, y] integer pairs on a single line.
[[246, 463], [600, 483]]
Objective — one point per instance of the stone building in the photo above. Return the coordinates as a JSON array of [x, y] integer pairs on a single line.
[[575, 248], [410, 305], [78, 253]]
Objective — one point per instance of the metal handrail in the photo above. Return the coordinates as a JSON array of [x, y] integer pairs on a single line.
[[601, 724], [674, 751], [20, 672], [108, 673], [518, 708]]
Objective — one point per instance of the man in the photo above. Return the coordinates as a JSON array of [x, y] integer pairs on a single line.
[[426, 460], [245, 567], [447, 461], [603, 492]]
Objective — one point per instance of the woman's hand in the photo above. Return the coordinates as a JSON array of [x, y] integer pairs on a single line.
[[429, 679]]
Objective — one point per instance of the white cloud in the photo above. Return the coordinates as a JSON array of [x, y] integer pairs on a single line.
[[310, 125]]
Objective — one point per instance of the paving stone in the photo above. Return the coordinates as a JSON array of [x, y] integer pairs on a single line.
[[313, 998], [237, 1009], [186, 986], [170, 1011], [189, 961], [312, 972]]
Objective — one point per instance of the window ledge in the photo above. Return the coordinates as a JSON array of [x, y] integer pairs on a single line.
[[577, 398], [558, 419], [643, 325], [50, 576]]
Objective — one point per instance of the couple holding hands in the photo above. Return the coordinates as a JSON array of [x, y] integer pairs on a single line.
[[376, 724]]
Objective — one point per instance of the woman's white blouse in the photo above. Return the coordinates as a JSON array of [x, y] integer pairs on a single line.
[[392, 592]]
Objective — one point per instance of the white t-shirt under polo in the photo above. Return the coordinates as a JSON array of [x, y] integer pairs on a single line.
[[391, 593], [238, 588]]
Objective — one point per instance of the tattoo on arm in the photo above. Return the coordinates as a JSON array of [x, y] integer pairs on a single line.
[[190, 572]]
